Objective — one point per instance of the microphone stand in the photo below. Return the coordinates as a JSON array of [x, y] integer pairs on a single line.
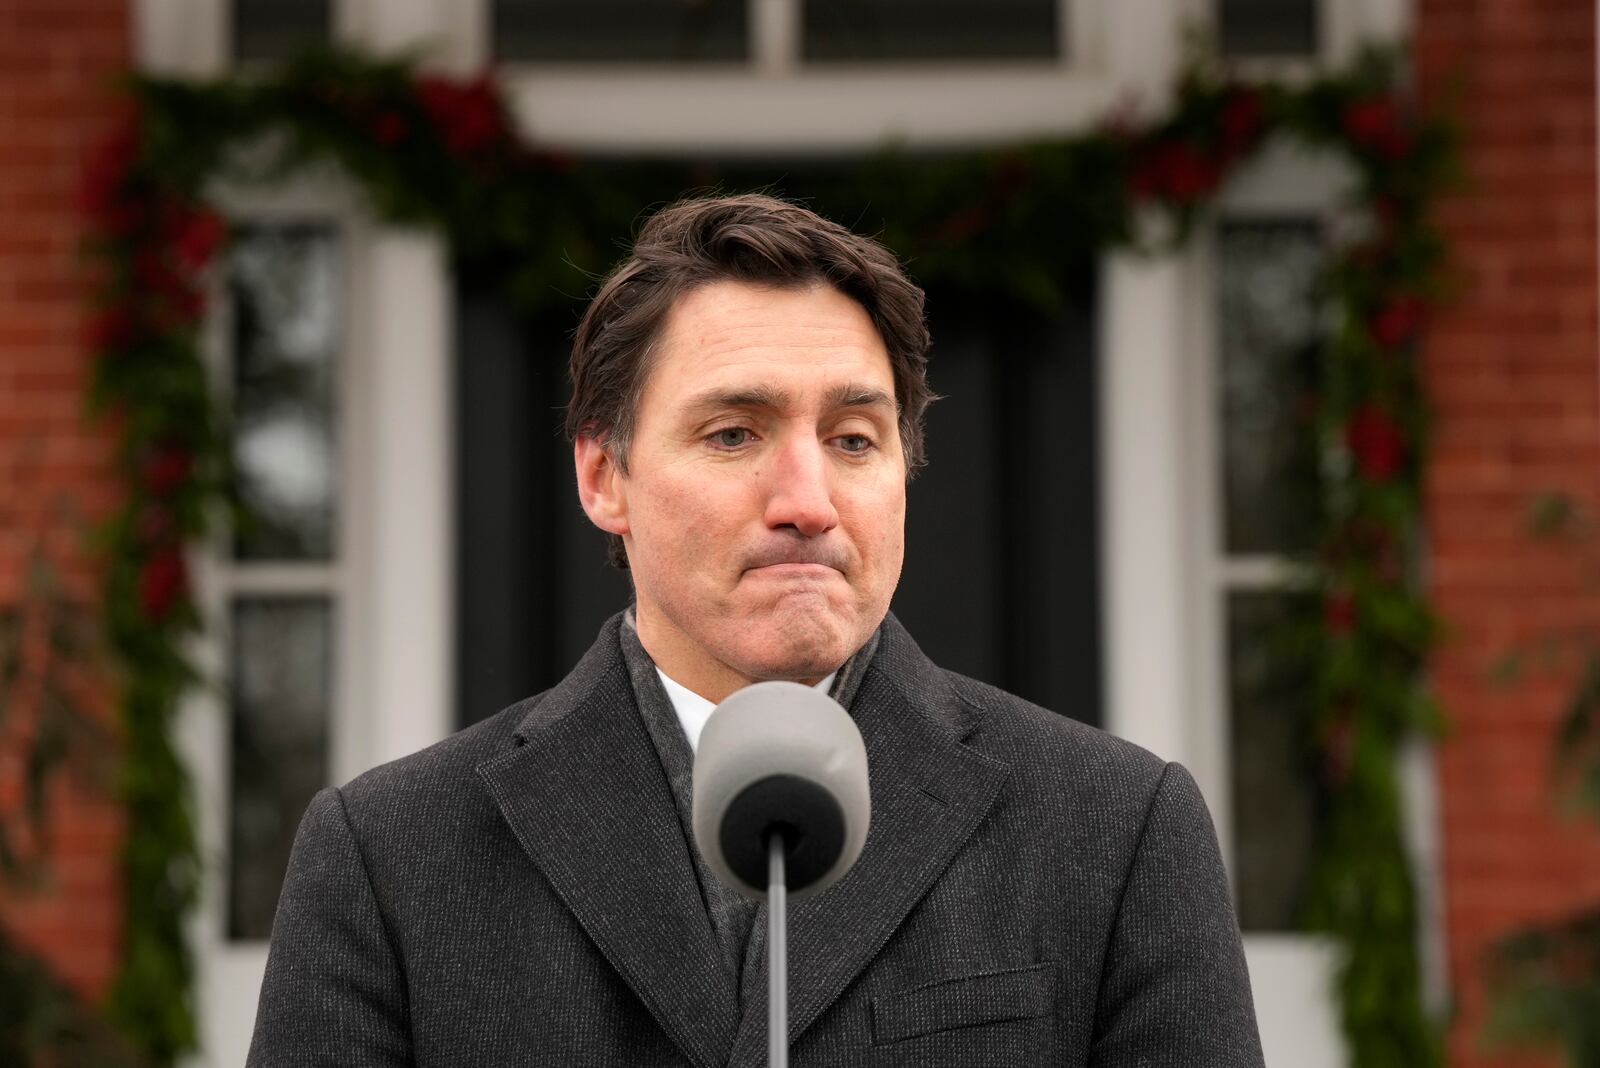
[[777, 954]]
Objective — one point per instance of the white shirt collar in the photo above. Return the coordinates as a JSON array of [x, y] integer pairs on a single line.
[[693, 710]]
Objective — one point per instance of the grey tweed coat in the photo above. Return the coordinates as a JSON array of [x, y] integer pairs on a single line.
[[1032, 891]]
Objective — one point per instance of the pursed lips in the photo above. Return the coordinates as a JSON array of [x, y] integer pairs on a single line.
[[795, 570], [793, 564]]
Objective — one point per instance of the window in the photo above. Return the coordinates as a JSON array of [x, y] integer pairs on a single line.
[[284, 285], [620, 30], [870, 30], [1268, 353], [1267, 363], [267, 30], [282, 679], [285, 333], [824, 31], [1267, 27]]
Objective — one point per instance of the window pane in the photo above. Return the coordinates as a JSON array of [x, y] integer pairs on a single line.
[[1274, 790], [658, 30], [1269, 348], [284, 283], [930, 29], [282, 690], [278, 29], [1268, 27]]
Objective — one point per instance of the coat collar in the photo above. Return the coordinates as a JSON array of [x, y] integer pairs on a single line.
[[585, 795]]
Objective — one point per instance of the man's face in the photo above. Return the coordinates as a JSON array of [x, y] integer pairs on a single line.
[[764, 506]]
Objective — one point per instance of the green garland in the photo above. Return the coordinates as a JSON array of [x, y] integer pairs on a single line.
[[1019, 223]]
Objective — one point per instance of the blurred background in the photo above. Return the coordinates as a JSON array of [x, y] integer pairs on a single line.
[[1119, 487]]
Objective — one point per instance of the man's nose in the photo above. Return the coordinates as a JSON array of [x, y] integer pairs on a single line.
[[800, 491]]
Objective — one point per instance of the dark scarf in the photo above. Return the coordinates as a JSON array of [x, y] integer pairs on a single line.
[[731, 915]]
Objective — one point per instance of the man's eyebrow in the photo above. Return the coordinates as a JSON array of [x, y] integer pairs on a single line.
[[852, 395], [755, 397], [847, 395]]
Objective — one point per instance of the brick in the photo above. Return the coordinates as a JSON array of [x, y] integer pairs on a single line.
[[58, 59], [1511, 374]]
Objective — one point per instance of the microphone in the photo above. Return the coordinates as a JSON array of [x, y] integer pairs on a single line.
[[780, 760], [781, 804]]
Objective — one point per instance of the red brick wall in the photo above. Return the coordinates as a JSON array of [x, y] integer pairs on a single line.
[[58, 62], [1511, 367]]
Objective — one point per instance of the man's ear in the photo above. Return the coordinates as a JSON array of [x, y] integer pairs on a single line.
[[601, 488]]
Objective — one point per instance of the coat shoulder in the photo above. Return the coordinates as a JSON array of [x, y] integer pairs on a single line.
[[1054, 753], [442, 776]]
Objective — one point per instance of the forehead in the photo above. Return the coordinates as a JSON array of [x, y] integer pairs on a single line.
[[804, 338]]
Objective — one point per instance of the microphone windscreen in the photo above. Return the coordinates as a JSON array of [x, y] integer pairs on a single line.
[[778, 756]]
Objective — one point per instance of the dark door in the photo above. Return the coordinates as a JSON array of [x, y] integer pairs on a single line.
[[1002, 558]]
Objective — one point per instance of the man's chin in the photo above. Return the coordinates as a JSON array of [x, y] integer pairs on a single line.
[[788, 665], [796, 650]]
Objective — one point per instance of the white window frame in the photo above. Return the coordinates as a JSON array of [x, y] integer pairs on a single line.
[[394, 621], [390, 576], [1166, 545], [226, 969], [1292, 974]]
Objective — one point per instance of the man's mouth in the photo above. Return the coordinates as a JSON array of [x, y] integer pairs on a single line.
[[796, 563], [795, 569]]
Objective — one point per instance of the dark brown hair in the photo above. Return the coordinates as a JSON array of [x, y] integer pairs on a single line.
[[749, 238]]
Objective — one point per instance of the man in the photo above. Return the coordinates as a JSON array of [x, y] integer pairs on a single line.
[[748, 390]]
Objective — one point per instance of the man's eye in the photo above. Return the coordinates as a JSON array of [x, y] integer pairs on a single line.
[[855, 443], [730, 437]]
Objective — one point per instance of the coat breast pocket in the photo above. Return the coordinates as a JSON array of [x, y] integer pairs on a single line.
[[964, 1001]]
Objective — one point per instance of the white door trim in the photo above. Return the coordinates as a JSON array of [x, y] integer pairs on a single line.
[[409, 581]]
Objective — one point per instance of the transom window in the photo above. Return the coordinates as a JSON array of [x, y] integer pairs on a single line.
[[871, 30], [1267, 28], [268, 30], [811, 31], [620, 30], [815, 31]]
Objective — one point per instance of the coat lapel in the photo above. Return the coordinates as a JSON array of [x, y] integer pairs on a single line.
[[585, 795], [929, 793]]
